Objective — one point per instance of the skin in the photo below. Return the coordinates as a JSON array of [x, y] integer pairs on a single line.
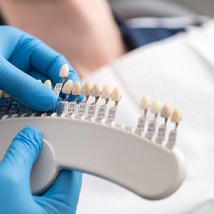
[[84, 31]]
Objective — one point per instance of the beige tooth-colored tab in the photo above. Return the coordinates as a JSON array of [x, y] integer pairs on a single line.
[[155, 107], [64, 71], [48, 84], [68, 86], [86, 89], [145, 103], [95, 91], [76, 88], [165, 111], [176, 116], [106, 93], [6, 95], [1, 94], [116, 95]]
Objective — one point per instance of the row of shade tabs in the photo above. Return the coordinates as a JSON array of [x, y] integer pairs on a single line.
[[70, 109], [68, 89], [143, 129]]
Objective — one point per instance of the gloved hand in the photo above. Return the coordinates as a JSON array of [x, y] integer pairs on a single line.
[[22, 57], [15, 193]]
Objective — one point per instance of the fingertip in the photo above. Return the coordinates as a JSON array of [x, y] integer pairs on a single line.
[[43, 98], [73, 97], [31, 128], [74, 76], [29, 141], [30, 134], [55, 67], [46, 101], [80, 98]]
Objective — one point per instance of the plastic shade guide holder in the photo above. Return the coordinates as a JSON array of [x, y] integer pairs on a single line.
[[151, 168]]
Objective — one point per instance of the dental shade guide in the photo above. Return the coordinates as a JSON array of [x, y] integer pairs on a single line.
[[106, 95], [151, 167], [86, 90], [144, 104], [95, 92], [66, 89]]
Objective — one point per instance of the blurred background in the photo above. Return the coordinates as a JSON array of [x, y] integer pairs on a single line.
[[163, 8]]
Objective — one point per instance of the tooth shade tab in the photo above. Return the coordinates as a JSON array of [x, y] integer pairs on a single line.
[[145, 103], [176, 116], [76, 88], [106, 93], [48, 84], [64, 71], [116, 95], [95, 91], [1, 94], [6, 95], [165, 111], [155, 107], [67, 88], [86, 89], [39, 80]]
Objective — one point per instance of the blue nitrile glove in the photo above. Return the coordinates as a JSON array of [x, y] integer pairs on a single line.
[[15, 194], [23, 56]]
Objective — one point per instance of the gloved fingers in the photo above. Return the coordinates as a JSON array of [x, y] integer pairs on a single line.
[[50, 63], [24, 88], [27, 52], [49, 66], [23, 151], [43, 78], [66, 188]]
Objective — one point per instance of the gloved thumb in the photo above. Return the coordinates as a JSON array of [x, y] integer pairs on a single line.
[[23, 151]]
